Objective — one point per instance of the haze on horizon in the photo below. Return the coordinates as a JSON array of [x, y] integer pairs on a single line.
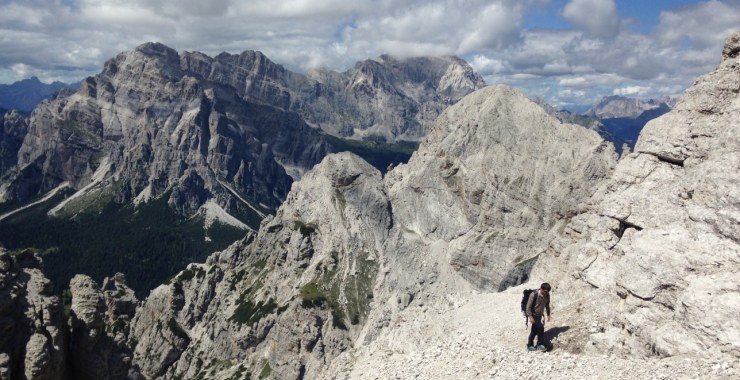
[[568, 52]]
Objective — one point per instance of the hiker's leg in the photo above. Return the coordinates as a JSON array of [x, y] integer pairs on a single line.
[[532, 334], [539, 329]]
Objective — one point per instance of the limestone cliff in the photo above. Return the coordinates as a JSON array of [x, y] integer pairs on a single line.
[[284, 301], [388, 98], [13, 128], [497, 179], [658, 252], [142, 129]]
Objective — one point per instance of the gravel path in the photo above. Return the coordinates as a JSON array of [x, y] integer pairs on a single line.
[[482, 336]]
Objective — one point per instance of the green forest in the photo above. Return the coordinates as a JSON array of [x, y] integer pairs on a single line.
[[148, 243]]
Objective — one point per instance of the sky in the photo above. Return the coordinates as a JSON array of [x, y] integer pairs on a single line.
[[568, 52]]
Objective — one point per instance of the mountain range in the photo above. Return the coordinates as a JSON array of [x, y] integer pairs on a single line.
[[26, 94], [206, 147]]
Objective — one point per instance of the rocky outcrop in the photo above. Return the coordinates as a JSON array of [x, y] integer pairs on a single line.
[[284, 301], [33, 334], [658, 252], [387, 98], [99, 322]]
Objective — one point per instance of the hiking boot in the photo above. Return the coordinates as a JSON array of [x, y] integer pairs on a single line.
[[531, 348], [540, 348]]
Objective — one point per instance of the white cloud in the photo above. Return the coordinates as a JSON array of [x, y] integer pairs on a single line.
[[574, 82], [631, 91], [72, 38], [598, 17]]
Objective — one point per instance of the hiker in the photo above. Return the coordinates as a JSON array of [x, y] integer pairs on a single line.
[[537, 304]]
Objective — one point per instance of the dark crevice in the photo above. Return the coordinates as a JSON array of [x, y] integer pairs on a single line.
[[664, 158], [670, 160], [640, 297], [623, 226]]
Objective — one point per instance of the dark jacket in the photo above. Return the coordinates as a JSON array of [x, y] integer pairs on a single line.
[[542, 304]]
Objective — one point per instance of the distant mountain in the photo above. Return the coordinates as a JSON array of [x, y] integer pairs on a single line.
[[623, 118], [590, 122], [613, 107], [26, 94], [385, 98]]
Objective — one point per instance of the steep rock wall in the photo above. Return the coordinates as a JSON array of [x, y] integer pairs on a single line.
[[655, 261]]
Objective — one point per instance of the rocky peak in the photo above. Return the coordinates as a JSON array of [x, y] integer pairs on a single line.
[[497, 159], [290, 298], [145, 122], [147, 62], [731, 48]]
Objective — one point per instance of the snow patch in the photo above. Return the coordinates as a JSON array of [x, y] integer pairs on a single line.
[[213, 212]]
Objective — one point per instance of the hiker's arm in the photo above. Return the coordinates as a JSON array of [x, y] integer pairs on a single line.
[[528, 310], [530, 300]]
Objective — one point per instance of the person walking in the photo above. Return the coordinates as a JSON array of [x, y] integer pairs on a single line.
[[537, 304]]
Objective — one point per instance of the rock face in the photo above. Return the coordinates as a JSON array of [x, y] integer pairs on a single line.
[[659, 251], [13, 128], [33, 334], [99, 323], [497, 178], [348, 251], [143, 129], [385, 98], [230, 129], [284, 301]]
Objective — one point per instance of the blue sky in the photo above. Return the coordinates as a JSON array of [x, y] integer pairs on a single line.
[[568, 52]]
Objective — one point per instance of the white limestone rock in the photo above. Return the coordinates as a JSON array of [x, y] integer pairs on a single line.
[[496, 179], [667, 269], [291, 297]]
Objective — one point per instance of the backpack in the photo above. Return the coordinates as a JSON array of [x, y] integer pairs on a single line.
[[525, 298]]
